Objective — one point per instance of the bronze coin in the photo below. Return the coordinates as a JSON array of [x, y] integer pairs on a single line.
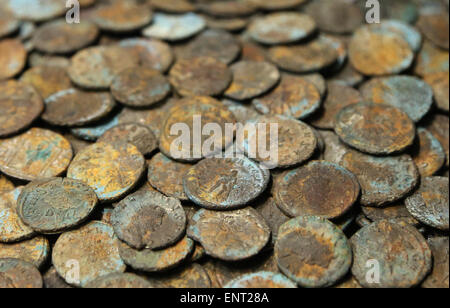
[[348, 76], [17, 274], [242, 113], [35, 251], [38, 59], [173, 6], [8, 24], [36, 11], [149, 220], [166, 175], [439, 276], [409, 33], [264, 280], [231, 8], [193, 276], [140, 87], [232, 235], [228, 24], [200, 76], [428, 153], [440, 84], [313, 252], [174, 27], [253, 52], [152, 118], [251, 79], [5, 184], [60, 37], [47, 80], [401, 253], [225, 183], [96, 129], [92, 249], [13, 57], [431, 60], [110, 169], [439, 128], [35, 154], [319, 189], [52, 280], [20, 105], [120, 281], [375, 128], [272, 214], [396, 212], [433, 23], [55, 205]]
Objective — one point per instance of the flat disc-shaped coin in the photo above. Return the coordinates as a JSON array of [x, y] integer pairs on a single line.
[[166, 175], [193, 276], [95, 130], [383, 180], [60, 37], [251, 79], [228, 24], [294, 97], [110, 169], [93, 249], [36, 11], [55, 205], [140, 87], [273, 216], [17, 274], [261, 280], [406, 93], [148, 260], [409, 33], [399, 252], [35, 251], [233, 8], [47, 80], [375, 128], [225, 183], [96, 67], [38, 59], [152, 118], [433, 23], [281, 28], [173, 6], [439, 82], [439, 276], [431, 59], [396, 212], [20, 105], [200, 76], [230, 236], [428, 153], [312, 251], [149, 220], [319, 189], [35, 154], [73, 107], [8, 24], [429, 204], [12, 58], [439, 128], [120, 281], [174, 27]]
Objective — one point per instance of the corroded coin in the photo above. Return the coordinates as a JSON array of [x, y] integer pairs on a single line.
[[319, 189], [409, 33], [93, 249], [294, 97], [152, 118], [60, 37], [95, 130], [335, 149], [338, 97], [174, 27], [312, 251], [242, 112], [38, 59], [401, 253], [375, 128], [200, 76], [5, 184], [20, 105], [348, 76], [429, 204], [431, 60], [230, 236], [139, 135], [36, 11], [47, 80], [148, 260], [438, 278], [110, 169], [229, 24], [272, 214], [225, 183], [120, 281], [8, 24], [140, 87], [149, 220], [276, 5], [439, 82], [96, 67], [439, 128], [35, 251], [37, 153], [251, 79], [253, 52], [52, 280], [166, 175], [281, 28], [396, 212], [231, 8], [173, 6], [12, 229], [12, 58], [191, 276], [17, 274], [261, 280], [428, 153], [406, 93], [433, 23], [383, 180], [55, 205]]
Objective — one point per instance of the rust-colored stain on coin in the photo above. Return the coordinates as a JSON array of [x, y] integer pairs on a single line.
[[35, 251], [18, 274], [47, 80], [12, 58]]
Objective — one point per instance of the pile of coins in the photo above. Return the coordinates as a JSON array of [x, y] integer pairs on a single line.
[[93, 195]]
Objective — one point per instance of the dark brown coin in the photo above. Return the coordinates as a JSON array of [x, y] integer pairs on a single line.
[[120, 281], [200, 76], [92, 250], [433, 23], [193, 276], [20, 105], [312, 251], [383, 180], [231, 8], [294, 97], [429, 204], [264, 280], [251, 79], [174, 27], [173, 6], [153, 118], [428, 153], [12, 58], [230, 236], [439, 276], [431, 60], [166, 175], [110, 169], [55, 205], [398, 252], [140, 87], [273, 216], [276, 5], [253, 52], [47, 80], [17, 274], [52, 280], [375, 128], [281, 28], [396, 212], [225, 183], [439, 128], [60, 37], [36, 11], [73, 107], [440, 84], [319, 189], [35, 251], [149, 220]]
